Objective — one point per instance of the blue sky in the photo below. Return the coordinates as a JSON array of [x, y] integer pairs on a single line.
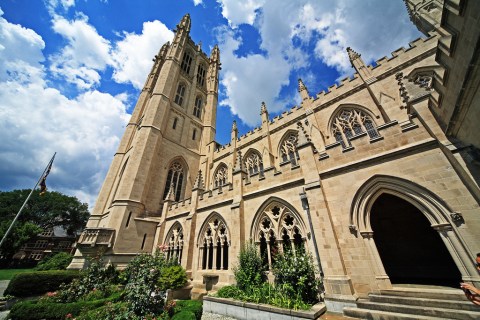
[[71, 70]]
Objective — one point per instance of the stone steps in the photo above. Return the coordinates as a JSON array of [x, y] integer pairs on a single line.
[[415, 303], [425, 302]]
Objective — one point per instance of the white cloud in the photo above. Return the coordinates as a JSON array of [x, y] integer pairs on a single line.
[[197, 2], [243, 76], [85, 55], [36, 120], [238, 12], [20, 51], [321, 31], [132, 56]]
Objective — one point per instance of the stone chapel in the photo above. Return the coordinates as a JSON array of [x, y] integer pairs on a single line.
[[377, 177]]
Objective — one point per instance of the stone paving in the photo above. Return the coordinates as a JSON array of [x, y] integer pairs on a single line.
[[325, 316]]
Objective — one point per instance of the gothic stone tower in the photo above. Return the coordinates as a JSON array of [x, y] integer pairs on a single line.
[[173, 123]]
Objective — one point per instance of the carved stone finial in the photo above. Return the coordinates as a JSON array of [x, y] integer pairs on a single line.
[[263, 108], [215, 55], [301, 85], [171, 193], [185, 23], [302, 89], [198, 181], [234, 126], [352, 55]]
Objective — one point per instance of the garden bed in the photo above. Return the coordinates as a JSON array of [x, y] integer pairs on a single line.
[[246, 310]]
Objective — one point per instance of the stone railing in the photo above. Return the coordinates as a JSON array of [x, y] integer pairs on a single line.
[[96, 237]]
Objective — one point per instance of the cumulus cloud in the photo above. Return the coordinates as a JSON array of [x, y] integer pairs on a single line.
[[20, 51], [243, 76], [85, 55], [36, 120], [294, 34], [132, 56], [238, 12]]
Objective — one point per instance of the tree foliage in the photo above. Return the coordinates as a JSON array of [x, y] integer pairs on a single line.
[[40, 213]]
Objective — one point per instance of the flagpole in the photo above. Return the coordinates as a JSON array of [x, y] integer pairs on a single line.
[[26, 200]]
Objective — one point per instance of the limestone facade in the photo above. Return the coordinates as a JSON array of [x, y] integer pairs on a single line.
[[308, 177]]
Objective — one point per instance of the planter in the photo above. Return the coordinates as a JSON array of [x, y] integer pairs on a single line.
[[246, 310]]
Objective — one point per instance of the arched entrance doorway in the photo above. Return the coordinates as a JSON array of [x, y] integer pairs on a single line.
[[410, 249]]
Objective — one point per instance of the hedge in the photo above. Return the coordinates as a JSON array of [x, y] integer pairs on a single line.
[[186, 306], [36, 310], [39, 282], [184, 315]]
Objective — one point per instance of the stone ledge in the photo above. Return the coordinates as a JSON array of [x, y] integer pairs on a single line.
[[247, 310]]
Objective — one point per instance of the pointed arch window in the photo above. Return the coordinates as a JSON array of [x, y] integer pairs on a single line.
[[278, 229], [174, 180], [197, 109], [288, 148], [350, 123], [179, 96], [214, 245], [221, 176], [254, 163], [174, 243], [201, 75], [186, 61]]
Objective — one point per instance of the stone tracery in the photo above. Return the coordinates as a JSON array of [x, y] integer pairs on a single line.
[[221, 176], [278, 229], [213, 245], [174, 243], [254, 163], [352, 122], [288, 148]]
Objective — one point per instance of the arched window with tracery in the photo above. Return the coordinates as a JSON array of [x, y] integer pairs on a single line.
[[288, 148], [214, 243], [350, 123], [174, 243], [220, 178], [254, 163], [197, 108], [276, 229], [174, 180], [201, 75], [179, 96], [186, 61]]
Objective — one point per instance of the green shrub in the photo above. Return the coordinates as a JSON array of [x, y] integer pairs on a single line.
[[172, 277], [193, 306], [36, 310], [109, 311], [59, 261], [230, 292], [250, 269], [97, 276], [142, 292], [184, 315], [36, 283], [295, 274]]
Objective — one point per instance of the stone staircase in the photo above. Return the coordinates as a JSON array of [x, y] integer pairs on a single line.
[[415, 303]]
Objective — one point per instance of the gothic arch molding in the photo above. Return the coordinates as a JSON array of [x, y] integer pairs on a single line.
[[344, 106], [173, 243], [277, 227], [180, 183], [270, 202], [287, 147], [213, 242], [436, 211], [433, 208]]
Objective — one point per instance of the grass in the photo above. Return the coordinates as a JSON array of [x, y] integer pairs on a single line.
[[8, 274]]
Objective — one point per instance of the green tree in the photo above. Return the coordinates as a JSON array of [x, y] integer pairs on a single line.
[[42, 212]]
